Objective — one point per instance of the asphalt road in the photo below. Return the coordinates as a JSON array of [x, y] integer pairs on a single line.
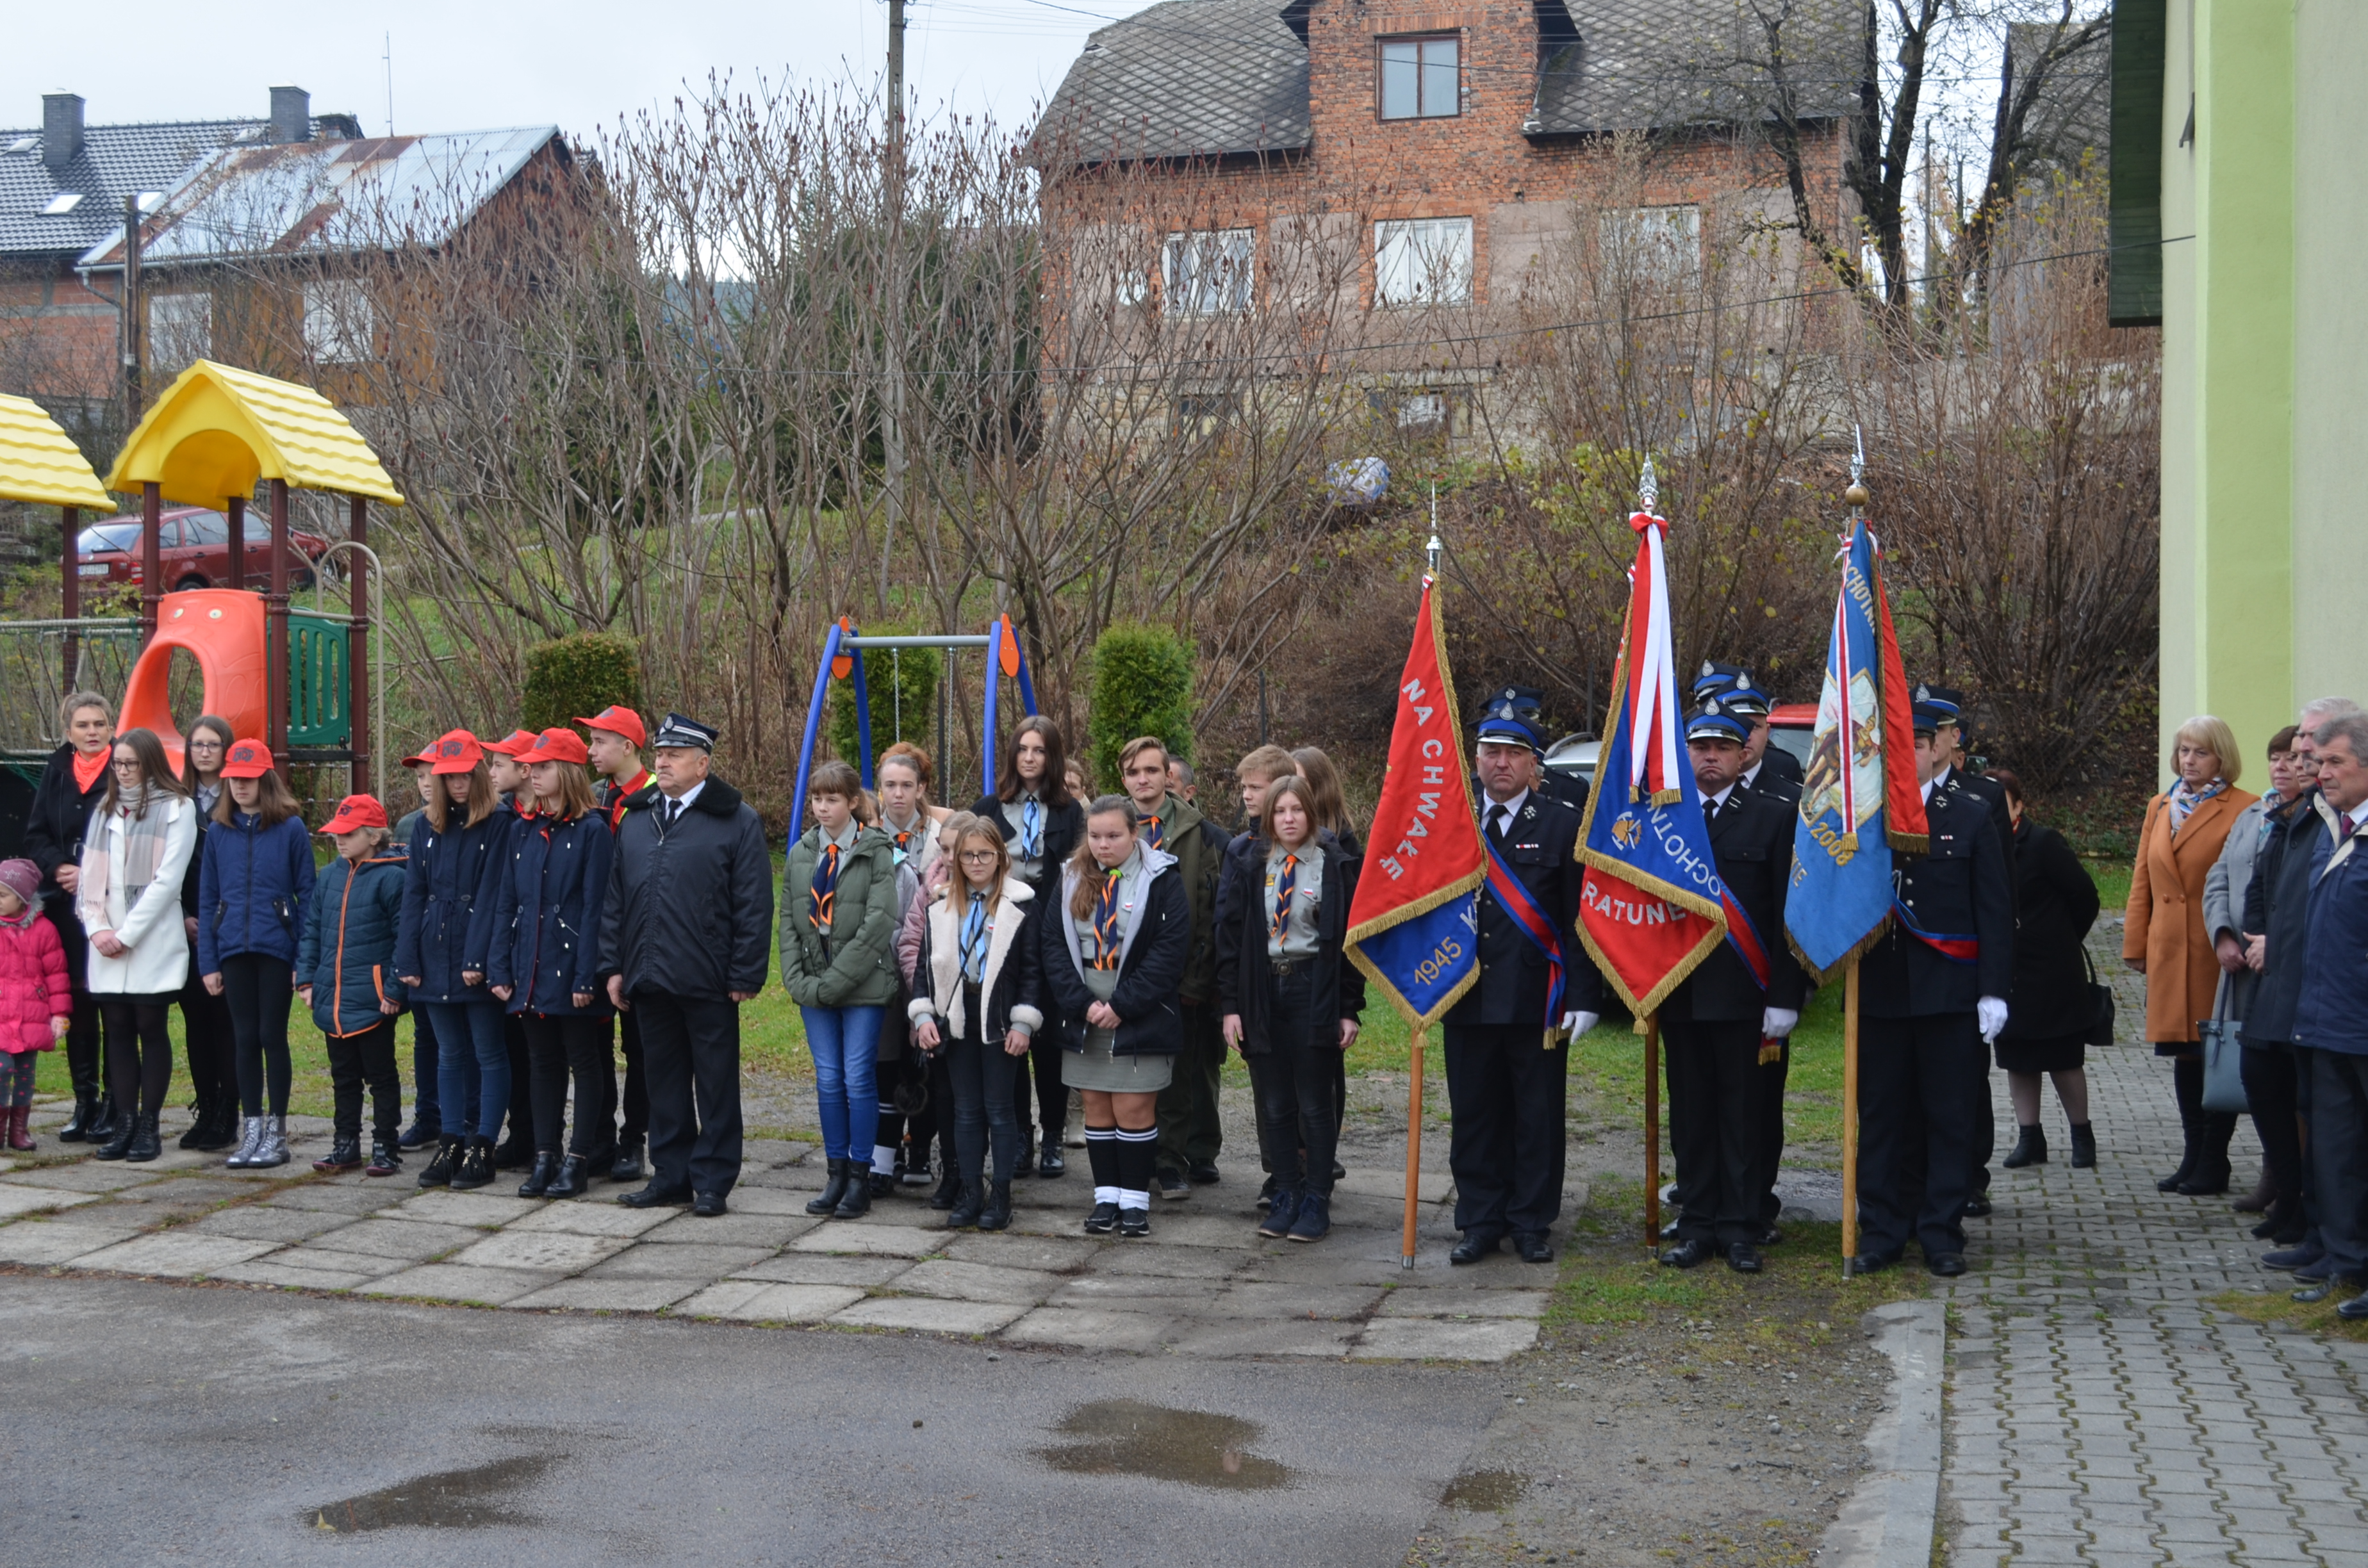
[[144, 1423]]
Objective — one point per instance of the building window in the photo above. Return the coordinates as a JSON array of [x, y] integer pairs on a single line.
[[1420, 79], [1199, 416], [1418, 412], [1209, 274], [180, 328], [1655, 245], [340, 327], [1423, 261]]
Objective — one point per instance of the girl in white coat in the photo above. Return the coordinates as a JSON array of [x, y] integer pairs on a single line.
[[129, 896]]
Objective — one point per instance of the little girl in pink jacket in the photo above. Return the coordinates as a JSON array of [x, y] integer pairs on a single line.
[[35, 998]]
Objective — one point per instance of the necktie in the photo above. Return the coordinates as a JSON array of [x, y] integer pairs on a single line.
[[673, 814], [1154, 834], [1497, 817], [904, 845], [1106, 931], [1031, 830], [824, 888], [1283, 885], [973, 939]]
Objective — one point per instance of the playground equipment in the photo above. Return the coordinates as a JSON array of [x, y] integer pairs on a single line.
[[301, 678], [842, 659]]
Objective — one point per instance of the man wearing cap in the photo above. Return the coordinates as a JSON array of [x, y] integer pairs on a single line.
[[1932, 999], [1764, 767], [1947, 706], [1721, 1023], [685, 938], [1506, 1058], [1527, 703], [617, 737]]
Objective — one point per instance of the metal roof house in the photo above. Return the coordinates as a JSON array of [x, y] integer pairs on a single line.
[[62, 185]]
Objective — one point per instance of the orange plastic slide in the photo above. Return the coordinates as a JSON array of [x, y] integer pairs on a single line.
[[222, 629]]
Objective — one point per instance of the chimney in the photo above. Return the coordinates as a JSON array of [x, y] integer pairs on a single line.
[[291, 115], [61, 129]]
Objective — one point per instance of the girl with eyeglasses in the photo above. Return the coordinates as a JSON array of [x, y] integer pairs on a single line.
[[206, 1035], [134, 854], [1113, 948], [975, 1003]]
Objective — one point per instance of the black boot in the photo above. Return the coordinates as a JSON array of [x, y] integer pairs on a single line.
[[118, 1135], [2187, 1083], [858, 1200], [575, 1178], [516, 1153], [949, 1191], [832, 1190], [476, 1167], [201, 1121], [2210, 1177], [627, 1165], [997, 1213], [444, 1163], [105, 1122], [966, 1209], [2084, 1146], [222, 1132], [2030, 1149], [146, 1143], [546, 1171], [78, 1126]]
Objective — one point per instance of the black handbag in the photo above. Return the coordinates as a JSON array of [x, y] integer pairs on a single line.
[[2100, 1004]]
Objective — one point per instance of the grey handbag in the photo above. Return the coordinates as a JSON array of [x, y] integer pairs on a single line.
[[2224, 1058]]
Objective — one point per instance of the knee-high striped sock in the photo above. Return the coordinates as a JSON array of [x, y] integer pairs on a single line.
[[1102, 1155], [1138, 1151]]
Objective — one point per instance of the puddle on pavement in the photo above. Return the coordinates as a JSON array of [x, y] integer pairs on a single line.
[[1122, 1436], [1485, 1491], [471, 1499]]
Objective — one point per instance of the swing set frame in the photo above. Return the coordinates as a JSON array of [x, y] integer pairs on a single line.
[[842, 660]]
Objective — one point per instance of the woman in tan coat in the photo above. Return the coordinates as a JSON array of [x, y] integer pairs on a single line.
[[2165, 940]]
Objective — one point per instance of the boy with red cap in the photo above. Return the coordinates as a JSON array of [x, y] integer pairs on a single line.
[[344, 973], [617, 739]]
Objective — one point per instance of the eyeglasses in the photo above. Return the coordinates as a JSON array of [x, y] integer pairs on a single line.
[[130, 762], [980, 856], [205, 745]]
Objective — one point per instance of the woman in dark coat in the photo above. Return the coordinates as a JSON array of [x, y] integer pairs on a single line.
[[72, 782], [2046, 1030], [1043, 823], [1287, 994], [206, 1034]]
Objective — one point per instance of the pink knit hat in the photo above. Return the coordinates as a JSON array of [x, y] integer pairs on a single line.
[[23, 878]]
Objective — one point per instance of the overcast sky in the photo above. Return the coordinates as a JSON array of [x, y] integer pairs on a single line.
[[469, 65]]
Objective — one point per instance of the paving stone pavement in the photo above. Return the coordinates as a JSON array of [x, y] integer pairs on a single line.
[[2100, 1411], [1204, 1284]]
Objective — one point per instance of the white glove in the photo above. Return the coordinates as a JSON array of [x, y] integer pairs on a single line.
[[1990, 1012], [1577, 1024], [1777, 1022]]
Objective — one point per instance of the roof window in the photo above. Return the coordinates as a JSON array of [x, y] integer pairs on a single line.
[[1420, 77], [62, 203]]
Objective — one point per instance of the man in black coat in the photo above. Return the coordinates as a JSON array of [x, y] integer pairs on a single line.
[[1716, 1024], [1765, 768], [1507, 1060], [684, 941], [1947, 705], [1932, 999]]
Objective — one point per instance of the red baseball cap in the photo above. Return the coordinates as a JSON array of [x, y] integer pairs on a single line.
[[620, 721], [456, 751], [517, 744], [356, 810], [417, 761], [246, 759], [558, 745]]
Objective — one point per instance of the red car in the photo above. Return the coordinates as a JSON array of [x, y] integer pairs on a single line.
[[195, 548], [1793, 726]]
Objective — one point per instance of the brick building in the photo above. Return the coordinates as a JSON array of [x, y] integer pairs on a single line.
[[1400, 168], [62, 185]]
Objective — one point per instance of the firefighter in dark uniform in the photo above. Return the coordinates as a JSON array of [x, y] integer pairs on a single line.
[[1507, 1059], [1774, 772], [1947, 707], [1527, 703], [1932, 999], [1719, 1026]]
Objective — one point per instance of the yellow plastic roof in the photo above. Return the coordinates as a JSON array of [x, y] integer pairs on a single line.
[[37, 463], [216, 431]]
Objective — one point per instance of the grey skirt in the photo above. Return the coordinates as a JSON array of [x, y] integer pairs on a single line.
[[1098, 1068]]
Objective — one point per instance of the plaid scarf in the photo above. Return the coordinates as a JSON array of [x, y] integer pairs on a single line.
[[144, 832]]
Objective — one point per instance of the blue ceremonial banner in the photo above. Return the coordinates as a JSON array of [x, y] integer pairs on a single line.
[[1414, 925], [1860, 799]]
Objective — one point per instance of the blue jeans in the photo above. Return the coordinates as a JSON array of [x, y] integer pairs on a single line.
[[464, 1029], [427, 1072], [846, 1046]]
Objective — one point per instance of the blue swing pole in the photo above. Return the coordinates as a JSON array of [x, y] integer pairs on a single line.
[[813, 723], [994, 679], [863, 709]]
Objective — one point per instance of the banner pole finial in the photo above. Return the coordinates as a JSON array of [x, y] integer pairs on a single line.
[[1648, 488], [1856, 495]]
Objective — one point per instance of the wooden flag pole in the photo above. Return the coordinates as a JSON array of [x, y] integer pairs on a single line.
[[1414, 1149], [1849, 1117], [1652, 1130]]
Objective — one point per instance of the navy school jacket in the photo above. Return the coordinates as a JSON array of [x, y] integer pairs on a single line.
[[542, 935]]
